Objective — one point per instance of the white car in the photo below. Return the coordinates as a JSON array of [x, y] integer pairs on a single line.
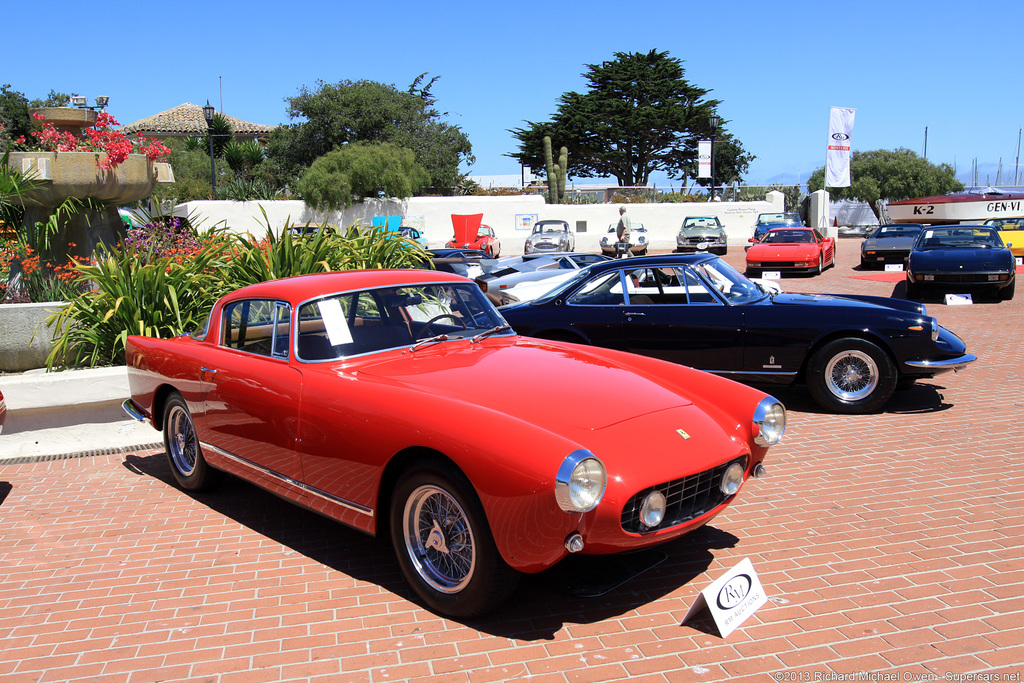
[[638, 241], [550, 235]]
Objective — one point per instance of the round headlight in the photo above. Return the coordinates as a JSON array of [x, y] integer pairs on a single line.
[[653, 509], [732, 478], [580, 482], [769, 422]]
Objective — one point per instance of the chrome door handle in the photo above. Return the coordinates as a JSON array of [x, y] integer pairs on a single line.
[[206, 369]]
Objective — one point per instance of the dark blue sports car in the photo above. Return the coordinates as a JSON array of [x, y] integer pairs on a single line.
[[851, 351], [960, 259]]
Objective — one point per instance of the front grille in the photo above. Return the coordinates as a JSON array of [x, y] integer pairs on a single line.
[[686, 499], [698, 240], [963, 278]]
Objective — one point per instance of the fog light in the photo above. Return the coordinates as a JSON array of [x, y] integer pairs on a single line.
[[732, 479], [760, 471], [653, 509], [574, 543]]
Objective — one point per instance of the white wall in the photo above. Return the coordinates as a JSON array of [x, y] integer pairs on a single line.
[[511, 217]]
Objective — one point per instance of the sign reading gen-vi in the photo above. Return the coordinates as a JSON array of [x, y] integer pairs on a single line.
[[731, 599]]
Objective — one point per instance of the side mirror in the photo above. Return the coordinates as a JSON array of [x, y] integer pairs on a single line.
[[752, 240]]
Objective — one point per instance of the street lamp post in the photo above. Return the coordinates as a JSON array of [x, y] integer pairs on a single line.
[[715, 120], [208, 115]]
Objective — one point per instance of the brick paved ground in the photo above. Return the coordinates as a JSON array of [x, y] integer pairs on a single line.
[[889, 544]]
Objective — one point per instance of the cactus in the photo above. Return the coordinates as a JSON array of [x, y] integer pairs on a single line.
[[556, 172]]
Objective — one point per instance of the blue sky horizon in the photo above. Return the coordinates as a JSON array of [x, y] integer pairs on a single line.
[[906, 67]]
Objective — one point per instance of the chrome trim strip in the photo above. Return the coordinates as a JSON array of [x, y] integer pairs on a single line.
[[948, 364], [356, 507]]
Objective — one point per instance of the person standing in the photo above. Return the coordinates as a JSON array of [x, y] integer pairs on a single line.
[[622, 231]]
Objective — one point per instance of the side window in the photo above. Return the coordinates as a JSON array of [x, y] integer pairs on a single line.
[[603, 291], [257, 326]]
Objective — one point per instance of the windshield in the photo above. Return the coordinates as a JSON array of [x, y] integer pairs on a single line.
[[789, 237], [701, 223], [1006, 223], [959, 237], [355, 323], [897, 231], [729, 281], [779, 219], [546, 227]]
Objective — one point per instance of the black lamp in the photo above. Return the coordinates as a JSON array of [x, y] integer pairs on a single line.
[[208, 112]]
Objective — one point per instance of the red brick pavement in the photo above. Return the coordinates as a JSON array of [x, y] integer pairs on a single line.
[[889, 544]]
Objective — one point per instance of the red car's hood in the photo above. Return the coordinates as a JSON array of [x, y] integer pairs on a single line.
[[466, 227], [529, 380], [788, 251]]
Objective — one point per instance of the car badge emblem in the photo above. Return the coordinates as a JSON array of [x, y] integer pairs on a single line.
[[682, 433]]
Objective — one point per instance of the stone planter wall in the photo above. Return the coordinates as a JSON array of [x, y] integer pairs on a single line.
[[25, 340]]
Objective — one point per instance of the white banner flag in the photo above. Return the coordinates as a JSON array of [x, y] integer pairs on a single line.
[[704, 159], [837, 160]]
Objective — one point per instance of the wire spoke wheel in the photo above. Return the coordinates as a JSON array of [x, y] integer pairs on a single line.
[[181, 443], [852, 375], [439, 539]]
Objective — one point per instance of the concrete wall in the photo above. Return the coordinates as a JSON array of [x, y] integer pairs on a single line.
[[511, 217], [25, 340]]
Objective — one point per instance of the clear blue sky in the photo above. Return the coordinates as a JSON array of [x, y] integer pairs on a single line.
[[905, 65]]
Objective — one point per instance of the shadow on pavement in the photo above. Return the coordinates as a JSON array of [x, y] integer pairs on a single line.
[[541, 606]]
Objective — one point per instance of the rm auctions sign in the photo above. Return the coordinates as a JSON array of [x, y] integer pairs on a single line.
[[731, 599]]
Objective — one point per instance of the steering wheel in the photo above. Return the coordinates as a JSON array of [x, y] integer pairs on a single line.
[[437, 318]]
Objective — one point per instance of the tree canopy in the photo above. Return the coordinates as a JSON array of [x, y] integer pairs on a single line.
[[890, 175], [369, 112], [639, 115], [359, 170]]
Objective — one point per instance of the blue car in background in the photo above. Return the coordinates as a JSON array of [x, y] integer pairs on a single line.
[[767, 221], [960, 259]]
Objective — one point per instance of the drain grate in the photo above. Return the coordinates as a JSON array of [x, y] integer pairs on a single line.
[[26, 459]]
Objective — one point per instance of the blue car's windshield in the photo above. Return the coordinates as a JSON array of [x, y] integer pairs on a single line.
[[958, 238]]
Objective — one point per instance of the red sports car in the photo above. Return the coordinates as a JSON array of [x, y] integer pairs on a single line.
[[791, 250], [471, 234], [400, 403]]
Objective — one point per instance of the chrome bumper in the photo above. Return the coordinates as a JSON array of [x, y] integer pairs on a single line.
[[954, 364], [134, 411]]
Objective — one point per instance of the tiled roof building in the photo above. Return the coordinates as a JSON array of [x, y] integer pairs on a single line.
[[187, 120]]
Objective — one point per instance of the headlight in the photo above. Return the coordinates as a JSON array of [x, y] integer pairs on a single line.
[[652, 511], [732, 478], [769, 422], [580, 482]]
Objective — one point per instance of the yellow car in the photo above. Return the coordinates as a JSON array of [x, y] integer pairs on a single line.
[[1011, 231]]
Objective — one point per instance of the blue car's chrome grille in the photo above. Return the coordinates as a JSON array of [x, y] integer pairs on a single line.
[[686, 499]]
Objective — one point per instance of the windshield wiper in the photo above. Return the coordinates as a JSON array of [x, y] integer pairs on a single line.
[[429, 340], [487, 333]]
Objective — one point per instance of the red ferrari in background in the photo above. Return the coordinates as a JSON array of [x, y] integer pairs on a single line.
[[791, 250], [400, 403], [471, 234]]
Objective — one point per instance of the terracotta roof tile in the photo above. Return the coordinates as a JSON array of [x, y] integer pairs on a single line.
[[187, 119]]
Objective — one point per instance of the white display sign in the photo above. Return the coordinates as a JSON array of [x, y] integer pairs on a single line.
[[334, 322], [732, 598], [704, 159], [771, 275], [894, 267], [959, 300]]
